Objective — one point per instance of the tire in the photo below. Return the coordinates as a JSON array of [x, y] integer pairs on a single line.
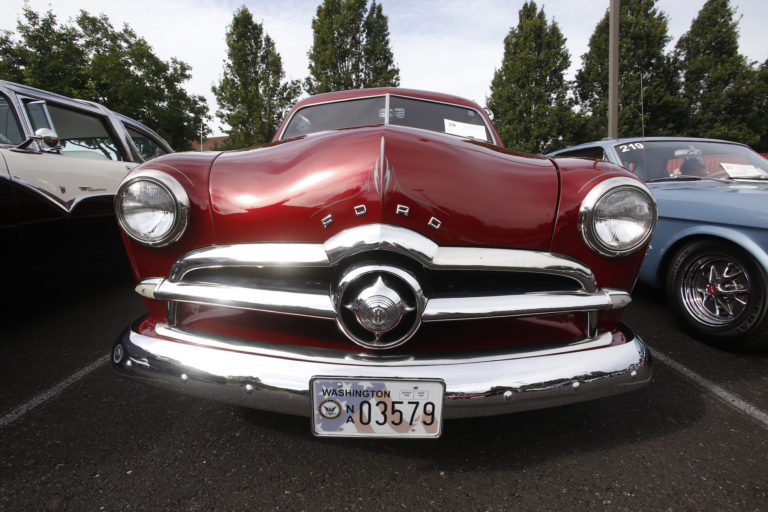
[[719, 294]]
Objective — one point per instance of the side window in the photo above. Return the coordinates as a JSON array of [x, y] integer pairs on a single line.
[[595, 152], [148, 148], [10, 131], [84, 135], [37, 114]]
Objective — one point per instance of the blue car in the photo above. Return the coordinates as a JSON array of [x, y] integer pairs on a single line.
[[710, 247]]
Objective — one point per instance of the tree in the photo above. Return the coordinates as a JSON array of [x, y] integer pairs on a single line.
[[529, 94], [350, 48], [655, 109], [379, 68], [126, 76], [10, 60], [251, 94], [720, 87], [48, 56], [91, 60]]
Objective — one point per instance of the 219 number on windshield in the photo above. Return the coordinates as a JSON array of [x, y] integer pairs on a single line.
[[625, 148]]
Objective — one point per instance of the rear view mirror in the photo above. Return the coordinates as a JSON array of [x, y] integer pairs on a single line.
[[686, 152]]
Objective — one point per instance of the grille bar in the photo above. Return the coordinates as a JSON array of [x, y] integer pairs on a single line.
[[272, 301]]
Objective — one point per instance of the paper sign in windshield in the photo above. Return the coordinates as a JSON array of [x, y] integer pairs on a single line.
[[743, 171], [465, 129]]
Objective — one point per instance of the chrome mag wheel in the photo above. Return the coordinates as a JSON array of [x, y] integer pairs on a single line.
[[715, 289], [720, 295]]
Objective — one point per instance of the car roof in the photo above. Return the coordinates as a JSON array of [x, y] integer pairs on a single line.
[[47, 95], [74, 102]]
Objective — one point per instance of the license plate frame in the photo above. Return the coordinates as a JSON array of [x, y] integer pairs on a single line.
[[397, 408]]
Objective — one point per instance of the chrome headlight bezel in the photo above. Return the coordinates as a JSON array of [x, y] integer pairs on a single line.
[[181, 208], [589, 207]]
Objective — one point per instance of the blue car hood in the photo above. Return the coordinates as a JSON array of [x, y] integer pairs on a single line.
[[715, 201]]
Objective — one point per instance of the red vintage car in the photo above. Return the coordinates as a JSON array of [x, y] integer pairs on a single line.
[[384, 264]]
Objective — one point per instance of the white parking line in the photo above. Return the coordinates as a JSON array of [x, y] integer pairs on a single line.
[[54, 391], [726, 396]]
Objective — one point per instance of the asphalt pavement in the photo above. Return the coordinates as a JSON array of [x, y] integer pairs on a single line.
[[74, 436]]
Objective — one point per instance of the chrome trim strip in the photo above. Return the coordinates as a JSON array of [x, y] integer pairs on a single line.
[[440, 309], [66, 206], [146, 288], [386, 237], [383, 237], [529, 304], [274, 301], [387, 98], [250, 255], [343, 357], [280, 381]]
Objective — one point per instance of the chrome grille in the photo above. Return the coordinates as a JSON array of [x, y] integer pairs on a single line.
[[457, 282]]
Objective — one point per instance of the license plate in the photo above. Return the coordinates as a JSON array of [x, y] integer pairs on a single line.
[[377, 407]]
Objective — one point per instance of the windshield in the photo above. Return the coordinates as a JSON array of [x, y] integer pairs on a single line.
[[653, 160], [416, 113]]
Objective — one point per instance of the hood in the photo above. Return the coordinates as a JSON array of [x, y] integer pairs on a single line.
[[452, 190], [716, 201]]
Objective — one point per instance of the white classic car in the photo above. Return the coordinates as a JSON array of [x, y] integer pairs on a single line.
[[61, 161]]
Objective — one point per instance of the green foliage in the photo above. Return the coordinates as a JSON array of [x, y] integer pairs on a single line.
[[48, 56], [350, 48], [252, 95], [93, 61], [642, 38], [720, 87], [529, 94], [10, 59], [379, 68]]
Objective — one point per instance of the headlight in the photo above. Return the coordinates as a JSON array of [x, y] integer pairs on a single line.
[[617, 216], [152, 208]]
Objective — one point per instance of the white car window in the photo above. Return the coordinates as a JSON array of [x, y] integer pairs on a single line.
[[10, 132], [84, 135]]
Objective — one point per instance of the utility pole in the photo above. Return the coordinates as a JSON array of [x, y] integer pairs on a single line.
[[613, 70]]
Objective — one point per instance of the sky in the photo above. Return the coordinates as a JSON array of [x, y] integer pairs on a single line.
[[450, 46]]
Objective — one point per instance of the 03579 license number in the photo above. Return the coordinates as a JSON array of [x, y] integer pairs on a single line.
[[376, 408]]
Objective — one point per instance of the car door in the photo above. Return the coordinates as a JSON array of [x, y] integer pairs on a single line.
[[91, 161], [64, 198]]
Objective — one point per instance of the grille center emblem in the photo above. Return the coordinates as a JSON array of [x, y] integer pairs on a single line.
[[378, 306]]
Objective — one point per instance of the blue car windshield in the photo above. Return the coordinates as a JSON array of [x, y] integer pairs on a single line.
[[654, 160]]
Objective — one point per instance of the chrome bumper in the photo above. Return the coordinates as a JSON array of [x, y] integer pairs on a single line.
[[275, 378]]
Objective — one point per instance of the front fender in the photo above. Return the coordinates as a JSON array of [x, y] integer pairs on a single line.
[[671, 234]]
